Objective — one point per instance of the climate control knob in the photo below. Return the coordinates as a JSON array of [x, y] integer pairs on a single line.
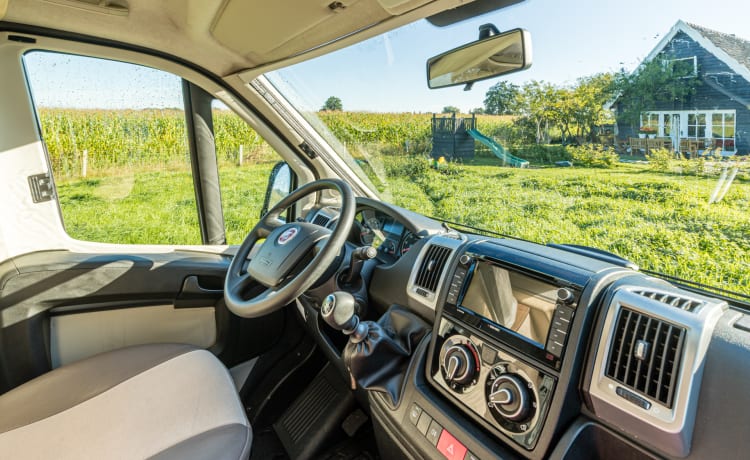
[[459, 363], [509, 397]]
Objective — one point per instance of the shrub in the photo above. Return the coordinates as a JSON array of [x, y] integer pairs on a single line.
[[414, 167], [593, 156], [660, 160], [542, 154], [695, 167]]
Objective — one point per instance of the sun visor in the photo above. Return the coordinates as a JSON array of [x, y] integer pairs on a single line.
[[266, 34]]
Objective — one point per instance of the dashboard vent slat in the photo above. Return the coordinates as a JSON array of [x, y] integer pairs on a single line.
[[645, 355], [321, 219], [432, 266], [676, 301]]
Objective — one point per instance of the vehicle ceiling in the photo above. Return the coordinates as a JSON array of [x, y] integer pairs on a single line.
[[227, 36]]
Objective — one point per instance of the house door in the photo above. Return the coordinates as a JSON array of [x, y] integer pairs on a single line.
[[671, 128], [674, 132]]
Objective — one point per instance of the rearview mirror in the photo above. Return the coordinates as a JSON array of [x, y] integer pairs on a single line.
[[497, 55]]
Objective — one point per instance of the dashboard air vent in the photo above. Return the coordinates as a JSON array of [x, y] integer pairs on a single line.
[[670, 299], [432, 267], [321, 219], [645, 355]]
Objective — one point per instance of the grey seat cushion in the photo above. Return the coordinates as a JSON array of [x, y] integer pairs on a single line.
[[166, 400]]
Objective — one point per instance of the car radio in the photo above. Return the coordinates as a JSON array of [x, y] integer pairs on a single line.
[[500, 341]]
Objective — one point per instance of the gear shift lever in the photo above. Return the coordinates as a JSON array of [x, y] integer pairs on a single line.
[[378, 353], [338, 311]]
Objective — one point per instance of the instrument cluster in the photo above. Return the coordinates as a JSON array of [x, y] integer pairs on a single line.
[[389, 236]]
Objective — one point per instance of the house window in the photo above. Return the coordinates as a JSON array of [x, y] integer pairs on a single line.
[[722, 130], [697, 125], [650, 120], [684, 67]]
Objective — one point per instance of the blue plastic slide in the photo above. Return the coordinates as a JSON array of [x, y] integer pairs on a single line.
[[499, 150]]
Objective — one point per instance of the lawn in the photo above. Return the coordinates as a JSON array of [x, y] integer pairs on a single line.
[[662, 222], [158, 206]]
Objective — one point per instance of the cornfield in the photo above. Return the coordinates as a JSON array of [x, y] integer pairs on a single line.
[[137, 139], [111, 140], [396, 129]]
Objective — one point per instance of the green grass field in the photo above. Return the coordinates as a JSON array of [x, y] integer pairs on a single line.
[[662, 222], [139, 189]]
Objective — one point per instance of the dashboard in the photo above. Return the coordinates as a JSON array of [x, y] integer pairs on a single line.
[[540, 352]]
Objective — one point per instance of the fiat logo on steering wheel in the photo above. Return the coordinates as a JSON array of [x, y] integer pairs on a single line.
[[287, 236]]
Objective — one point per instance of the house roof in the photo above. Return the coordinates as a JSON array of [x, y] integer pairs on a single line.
[[732, 50], [736, 47]]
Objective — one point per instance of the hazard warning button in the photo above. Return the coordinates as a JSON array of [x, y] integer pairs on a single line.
[[450, 447]]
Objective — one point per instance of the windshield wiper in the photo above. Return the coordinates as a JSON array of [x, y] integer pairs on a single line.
[[731, 297], [595, 253], [476, 230]]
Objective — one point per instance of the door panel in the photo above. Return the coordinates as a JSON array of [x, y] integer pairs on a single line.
[[80, 335], [59, 306]]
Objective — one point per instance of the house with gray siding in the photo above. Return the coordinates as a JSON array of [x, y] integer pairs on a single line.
[[718, 113]]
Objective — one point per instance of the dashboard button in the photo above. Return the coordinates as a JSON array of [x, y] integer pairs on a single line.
[[565, 313], [450, 447], [414, 413], [470, 456], [424, 423], [434, 432], [489, 355]]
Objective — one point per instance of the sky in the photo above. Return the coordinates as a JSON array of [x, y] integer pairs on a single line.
[[570, 39]]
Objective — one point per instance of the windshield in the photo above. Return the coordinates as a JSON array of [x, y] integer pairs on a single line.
[[629, 133]]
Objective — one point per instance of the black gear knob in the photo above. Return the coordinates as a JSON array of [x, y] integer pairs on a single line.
[[339, 312]]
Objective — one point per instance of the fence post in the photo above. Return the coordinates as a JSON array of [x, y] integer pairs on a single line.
[[242, 153], [85, 163]]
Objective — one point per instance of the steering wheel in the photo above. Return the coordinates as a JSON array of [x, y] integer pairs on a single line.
[[285, 246]]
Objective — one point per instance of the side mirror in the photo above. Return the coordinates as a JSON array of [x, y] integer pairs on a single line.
[[490, 57], [280, 184]]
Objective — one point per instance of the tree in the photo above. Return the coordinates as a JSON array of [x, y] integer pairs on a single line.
[[333, 104], [540, 105], [575, 110], [502, 99], [588, 101], [477, 111], [656, 84], [451, 109]]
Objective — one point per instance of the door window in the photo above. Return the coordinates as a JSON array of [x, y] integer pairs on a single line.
[[116, 138]]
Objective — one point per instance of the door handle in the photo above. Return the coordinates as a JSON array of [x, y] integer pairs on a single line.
[[192, 286]]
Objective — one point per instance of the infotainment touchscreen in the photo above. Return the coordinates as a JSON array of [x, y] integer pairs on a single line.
[[512, 300]]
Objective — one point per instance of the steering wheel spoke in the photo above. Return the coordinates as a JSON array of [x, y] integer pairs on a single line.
[[267, 225], [285, 245], [241, 282]]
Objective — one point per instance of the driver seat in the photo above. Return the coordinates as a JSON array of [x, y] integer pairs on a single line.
[[148, 401]]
